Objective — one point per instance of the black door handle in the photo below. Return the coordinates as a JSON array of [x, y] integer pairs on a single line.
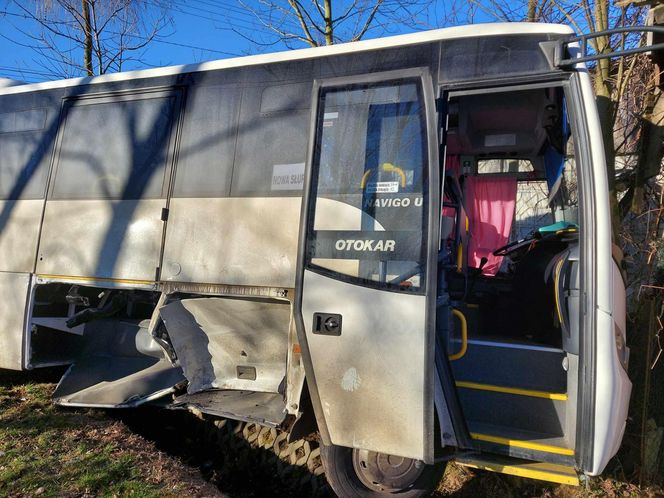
[[327, 324]]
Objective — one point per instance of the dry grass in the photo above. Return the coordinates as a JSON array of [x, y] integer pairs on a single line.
[[51, 452]]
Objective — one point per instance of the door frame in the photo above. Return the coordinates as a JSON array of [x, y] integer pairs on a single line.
[[426, 80]]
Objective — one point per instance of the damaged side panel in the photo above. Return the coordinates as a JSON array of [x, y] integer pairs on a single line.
[[226, 343], [225, 356], [103, 334], [120, 365]]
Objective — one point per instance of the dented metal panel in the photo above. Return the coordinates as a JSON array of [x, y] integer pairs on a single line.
[[248, 406], [234, 241], [19, 222], [112, 382], [14, 289], [230, 343], [119, 365], [101, 238]]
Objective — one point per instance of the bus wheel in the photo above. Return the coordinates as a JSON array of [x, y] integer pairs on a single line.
[[366, 474]]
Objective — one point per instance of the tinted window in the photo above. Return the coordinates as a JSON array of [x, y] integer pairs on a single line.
[[369, 185], [24, 153], [205, 158], [272, 141], [115, 149], [492, 56]]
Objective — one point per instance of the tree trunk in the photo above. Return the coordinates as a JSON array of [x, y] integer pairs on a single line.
[[329, 33], [651, 150], [87, 42], [606, 107], [532, 10]]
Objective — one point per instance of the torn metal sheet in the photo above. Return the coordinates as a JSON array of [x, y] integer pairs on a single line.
[[264, 408], [119, 366], [113, 382], [230, 343]]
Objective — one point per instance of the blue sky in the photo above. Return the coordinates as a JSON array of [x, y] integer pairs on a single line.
[[199, 32]]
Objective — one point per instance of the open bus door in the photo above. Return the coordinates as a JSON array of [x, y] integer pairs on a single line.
[[367, 272]]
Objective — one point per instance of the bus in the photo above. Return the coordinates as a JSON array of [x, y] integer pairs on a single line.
[[403, 243]]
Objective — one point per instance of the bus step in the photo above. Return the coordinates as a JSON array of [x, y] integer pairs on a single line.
[[550, 472], [512, 364], [517, 391], [524, 409], [518, 443]]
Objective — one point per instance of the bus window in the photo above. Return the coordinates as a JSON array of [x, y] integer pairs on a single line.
[[269, 116], [115, 149], [205, 158], [24, 144], [370, 172]]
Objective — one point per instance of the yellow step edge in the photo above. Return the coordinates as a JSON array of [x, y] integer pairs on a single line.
[[528, 445], [550, 472], [512, 390]]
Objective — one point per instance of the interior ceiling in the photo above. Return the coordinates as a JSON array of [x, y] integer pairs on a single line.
[[501, 124]]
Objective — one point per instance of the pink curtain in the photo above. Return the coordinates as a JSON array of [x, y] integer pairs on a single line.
[[490, 202]]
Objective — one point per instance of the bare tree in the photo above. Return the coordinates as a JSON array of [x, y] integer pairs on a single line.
[[90, 37], [326, 22], [625, 89]]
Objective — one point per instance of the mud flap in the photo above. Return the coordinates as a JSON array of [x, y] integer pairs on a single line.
[[120, 366]]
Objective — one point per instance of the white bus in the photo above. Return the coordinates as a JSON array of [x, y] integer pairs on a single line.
[[404, 241]]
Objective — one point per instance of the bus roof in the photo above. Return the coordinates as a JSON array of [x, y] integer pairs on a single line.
[[468, 31]]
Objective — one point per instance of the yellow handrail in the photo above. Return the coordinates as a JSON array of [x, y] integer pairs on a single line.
[[459, 258], [464, 336], [390, 168]]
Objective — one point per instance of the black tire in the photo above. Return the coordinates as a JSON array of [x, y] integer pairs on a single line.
[[345, 482]]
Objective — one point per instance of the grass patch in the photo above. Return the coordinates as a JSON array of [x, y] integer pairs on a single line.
[[54, 452]]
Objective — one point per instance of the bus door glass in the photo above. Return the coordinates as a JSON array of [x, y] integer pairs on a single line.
[[363, 294]]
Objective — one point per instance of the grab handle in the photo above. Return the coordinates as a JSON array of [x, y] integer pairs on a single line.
[[464, 336]]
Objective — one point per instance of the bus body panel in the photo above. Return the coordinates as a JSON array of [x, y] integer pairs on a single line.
[[612, 385], [232, 241], [20, 233], [14, 289], [111, 239]]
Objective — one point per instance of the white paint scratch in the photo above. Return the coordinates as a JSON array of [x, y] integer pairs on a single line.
[[351, 380]]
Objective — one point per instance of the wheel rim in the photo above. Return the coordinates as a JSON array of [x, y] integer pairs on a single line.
[[382, 472]]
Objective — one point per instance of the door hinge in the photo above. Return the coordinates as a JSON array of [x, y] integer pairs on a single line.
[[164, 214]]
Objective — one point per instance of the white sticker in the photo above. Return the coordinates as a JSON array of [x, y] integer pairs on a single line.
[[382, 187], [331, 115], [288, 176], [505, 139]]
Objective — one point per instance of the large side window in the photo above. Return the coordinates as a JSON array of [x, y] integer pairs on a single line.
[[115, 148], [369, 185]]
